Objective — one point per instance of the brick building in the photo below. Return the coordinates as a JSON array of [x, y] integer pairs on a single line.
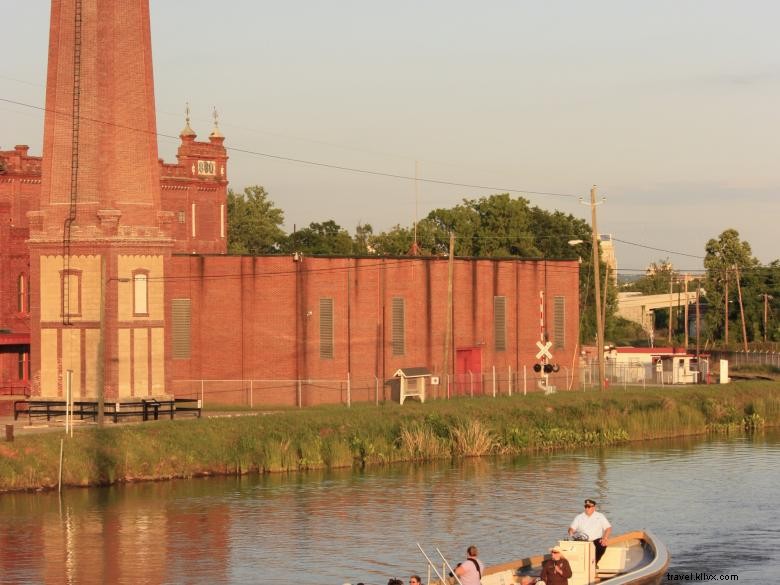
[[20, 182], [113, 272], [330, 323]]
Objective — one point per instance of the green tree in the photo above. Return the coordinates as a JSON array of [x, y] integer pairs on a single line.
[[503, 226], [399, 240], [326, 238], [493, 226], [362, 242], [726, 257], [657, 279], [254, 222]]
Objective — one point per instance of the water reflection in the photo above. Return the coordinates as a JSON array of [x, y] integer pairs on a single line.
[[712, 501]]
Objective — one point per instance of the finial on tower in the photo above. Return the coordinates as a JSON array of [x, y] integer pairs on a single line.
[[187, 131], [216, 133]]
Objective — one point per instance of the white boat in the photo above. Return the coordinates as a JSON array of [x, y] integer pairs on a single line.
[[636, 558]]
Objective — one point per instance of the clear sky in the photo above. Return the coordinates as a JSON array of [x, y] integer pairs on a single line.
[[671, 107]]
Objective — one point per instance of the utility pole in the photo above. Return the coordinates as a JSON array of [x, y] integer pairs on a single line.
[[604, 306], [671, 290], [415, 245], [766, 313], [100, 377], [448, 330], [685, 282], [698, 317], [597, 284], [741, 309], [726, 308]]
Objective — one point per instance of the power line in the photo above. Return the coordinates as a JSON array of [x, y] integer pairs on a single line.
[[315, 163], [657, 249]]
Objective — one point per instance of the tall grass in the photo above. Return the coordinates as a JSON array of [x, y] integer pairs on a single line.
[[365, 435]]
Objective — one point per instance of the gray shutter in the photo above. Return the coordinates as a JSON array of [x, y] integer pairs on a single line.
[[326, 328], [499, 323], [559, 316], [181, 313], [399, 326]]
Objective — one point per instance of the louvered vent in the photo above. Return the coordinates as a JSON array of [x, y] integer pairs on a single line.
[[399, 326], [559, 316], [181, 310], [499, 322], [326, 328]]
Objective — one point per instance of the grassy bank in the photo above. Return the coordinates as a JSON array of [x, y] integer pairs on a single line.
[[334, 436]]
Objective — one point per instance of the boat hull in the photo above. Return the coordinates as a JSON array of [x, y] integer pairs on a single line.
[[636, 558]]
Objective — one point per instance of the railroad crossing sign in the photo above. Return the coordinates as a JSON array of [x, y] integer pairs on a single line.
[[544, 350]]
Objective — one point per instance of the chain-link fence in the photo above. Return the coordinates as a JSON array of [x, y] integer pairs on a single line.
[[308, 392], [637, 374], [741, 359]]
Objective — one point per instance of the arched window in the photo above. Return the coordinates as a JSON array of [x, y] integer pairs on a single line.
[[141, 293]]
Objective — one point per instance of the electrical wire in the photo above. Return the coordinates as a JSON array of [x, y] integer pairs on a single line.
[[295, 160]]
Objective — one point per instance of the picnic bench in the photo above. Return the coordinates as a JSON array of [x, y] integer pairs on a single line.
[[145, 409]]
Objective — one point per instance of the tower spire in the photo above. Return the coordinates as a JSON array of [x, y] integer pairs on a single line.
[[187, 130], [215, 133]]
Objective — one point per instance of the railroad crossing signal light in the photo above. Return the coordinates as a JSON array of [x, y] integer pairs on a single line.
[[537, 368]]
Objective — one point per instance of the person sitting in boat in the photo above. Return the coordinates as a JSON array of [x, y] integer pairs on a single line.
[[470, 571], [595, 525], [556, 570]]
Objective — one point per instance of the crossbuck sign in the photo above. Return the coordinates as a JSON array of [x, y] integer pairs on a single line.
[[544, 350]]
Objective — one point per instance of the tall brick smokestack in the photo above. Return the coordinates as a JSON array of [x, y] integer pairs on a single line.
[[116, 127], [99, 241]]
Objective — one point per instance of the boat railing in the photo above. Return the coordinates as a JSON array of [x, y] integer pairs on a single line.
[[445, 565]]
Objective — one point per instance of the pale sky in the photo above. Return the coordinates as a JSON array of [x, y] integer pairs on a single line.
[[671, 107]]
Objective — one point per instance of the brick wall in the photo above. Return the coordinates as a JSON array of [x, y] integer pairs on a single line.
[[259, 318]]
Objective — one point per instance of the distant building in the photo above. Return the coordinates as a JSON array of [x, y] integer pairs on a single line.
[[608, 256]]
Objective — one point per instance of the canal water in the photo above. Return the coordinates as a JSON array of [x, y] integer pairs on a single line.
[[714, 502]]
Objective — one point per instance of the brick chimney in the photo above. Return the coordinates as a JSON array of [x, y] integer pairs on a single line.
[[99, 242]]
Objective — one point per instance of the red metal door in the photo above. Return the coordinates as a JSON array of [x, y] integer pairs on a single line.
[[468, 371]]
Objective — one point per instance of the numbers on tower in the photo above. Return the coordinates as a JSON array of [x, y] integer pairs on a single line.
[[207, 167]]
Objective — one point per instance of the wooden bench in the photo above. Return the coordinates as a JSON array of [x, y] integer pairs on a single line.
[[145, 409], [53, 408], [188, 406]]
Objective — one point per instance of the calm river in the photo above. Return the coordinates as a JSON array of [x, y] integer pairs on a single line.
[[714, 502]]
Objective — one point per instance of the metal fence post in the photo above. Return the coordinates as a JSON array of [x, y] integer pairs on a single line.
[[202, 402], [349, 391], [376, 390], [300, 400], [251, 394], [509, 381], [494, 381], [525, 381], [471, 384]]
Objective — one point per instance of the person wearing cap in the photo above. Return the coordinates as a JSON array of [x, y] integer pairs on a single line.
[[594, 525], [556, 570]]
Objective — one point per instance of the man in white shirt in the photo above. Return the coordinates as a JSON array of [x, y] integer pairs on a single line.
[[595, 525], [470, 571]]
